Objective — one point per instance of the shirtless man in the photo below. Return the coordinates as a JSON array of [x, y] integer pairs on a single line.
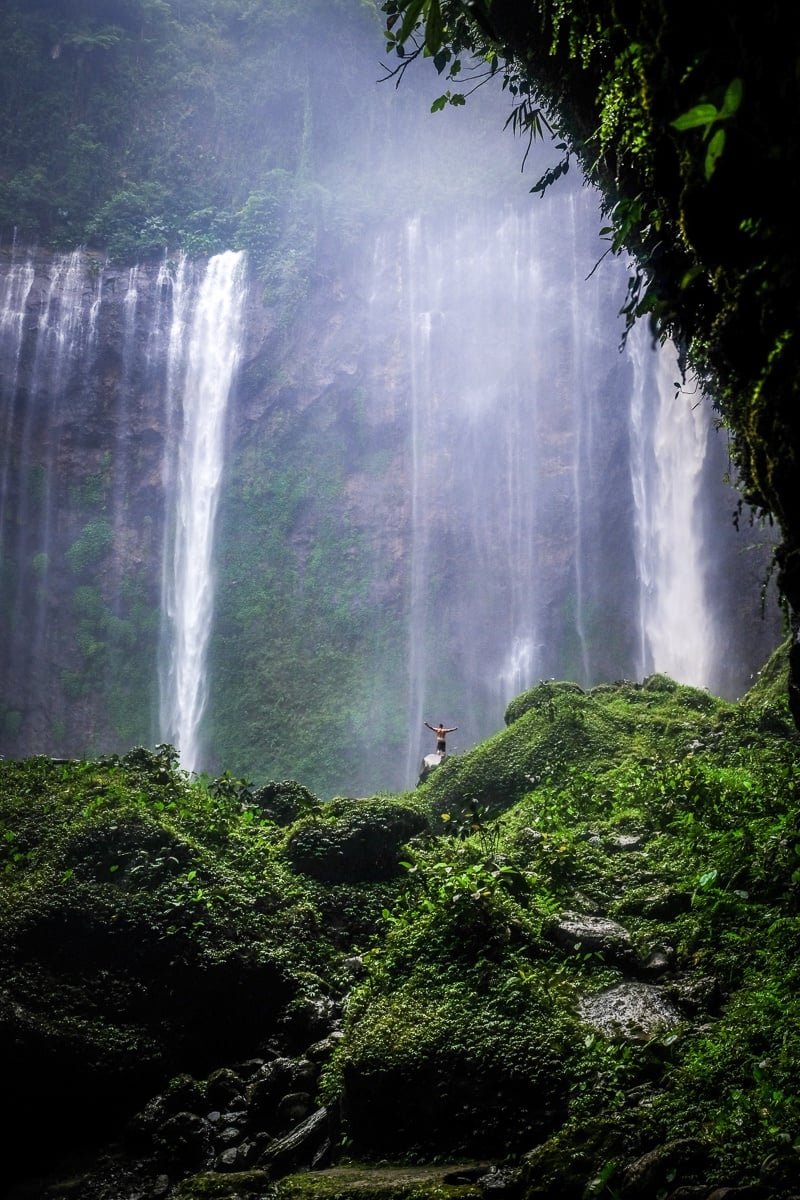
[[441, 734]]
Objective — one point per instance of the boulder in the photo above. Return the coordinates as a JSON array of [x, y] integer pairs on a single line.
[[298, 1148], [674, 1161], [354, 840], [630, 1011], [591, 935]]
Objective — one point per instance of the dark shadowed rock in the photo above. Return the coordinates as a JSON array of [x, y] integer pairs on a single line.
[[184, 1141], [293, 1108], [671, 1162], [225, 1089]]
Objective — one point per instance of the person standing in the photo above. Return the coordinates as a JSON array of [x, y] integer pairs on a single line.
[[441, 735]]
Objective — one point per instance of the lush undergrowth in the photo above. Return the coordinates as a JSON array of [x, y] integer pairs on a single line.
[[151, 924], [674, 814]]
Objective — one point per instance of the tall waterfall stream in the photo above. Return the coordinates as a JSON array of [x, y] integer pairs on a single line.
[[204, 347]]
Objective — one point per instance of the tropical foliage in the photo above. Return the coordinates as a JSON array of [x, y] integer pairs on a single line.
[[141, 910]]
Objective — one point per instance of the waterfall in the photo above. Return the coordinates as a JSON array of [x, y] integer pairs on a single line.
[[463, 481], [670, 432], [502, 338], [422, 431], [556, 484], [104, 372], [60, 338], [15, 289], [205, 375]]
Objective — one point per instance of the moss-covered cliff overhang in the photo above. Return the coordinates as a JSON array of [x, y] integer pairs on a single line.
[[689, 127]]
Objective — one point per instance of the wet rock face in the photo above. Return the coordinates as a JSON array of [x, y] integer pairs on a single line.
[[589, 935], [261, 1116], [630, 1011]]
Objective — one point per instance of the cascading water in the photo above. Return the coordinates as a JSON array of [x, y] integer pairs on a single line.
[[670, 431], [500, 339], [114, 388], [212, 350], [556, 487], [15, 290]]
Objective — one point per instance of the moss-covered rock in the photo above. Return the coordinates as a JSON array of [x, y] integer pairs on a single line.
[[540, 697], [354, 840]]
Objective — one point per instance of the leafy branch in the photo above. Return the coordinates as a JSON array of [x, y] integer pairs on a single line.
[[706, 116]]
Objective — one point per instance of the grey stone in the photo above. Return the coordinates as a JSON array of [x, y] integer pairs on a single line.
[[585, 934], [630, 1011]]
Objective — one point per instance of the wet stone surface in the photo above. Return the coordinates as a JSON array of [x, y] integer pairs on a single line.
[[591, 934], [631, 1011]]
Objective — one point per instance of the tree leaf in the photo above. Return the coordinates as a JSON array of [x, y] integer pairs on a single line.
[[715, 148], [701, 114], [441, 59], [410, 20], [733, 99], [434, 27]]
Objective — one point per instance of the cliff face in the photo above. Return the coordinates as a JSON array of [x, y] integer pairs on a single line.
[[82, 506], [436, 491]]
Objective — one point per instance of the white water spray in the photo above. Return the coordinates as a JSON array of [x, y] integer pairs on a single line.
[[555, 487], [15, 288], [206, 376], [669, 444]]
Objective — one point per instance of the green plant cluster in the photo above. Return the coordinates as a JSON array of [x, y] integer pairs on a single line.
[[358, 840], [152, 924], [708, 793]]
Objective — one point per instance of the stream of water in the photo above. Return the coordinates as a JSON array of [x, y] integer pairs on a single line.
[[204, 349]]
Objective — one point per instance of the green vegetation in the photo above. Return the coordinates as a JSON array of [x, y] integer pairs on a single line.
[[538, 813], [88, 549], [135, 125], [152, 925], [116, 646]]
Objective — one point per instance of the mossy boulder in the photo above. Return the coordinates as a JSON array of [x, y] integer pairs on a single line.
[[542, 697], [557, 729], [352, 840], [284, 802], [441, 1066]]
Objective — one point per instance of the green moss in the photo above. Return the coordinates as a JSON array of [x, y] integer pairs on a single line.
[[556, 729], [90, 547], [352, 1182], [354, 839], [462, 1033], [369, 1182], [302, 576], [234, 1185]]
